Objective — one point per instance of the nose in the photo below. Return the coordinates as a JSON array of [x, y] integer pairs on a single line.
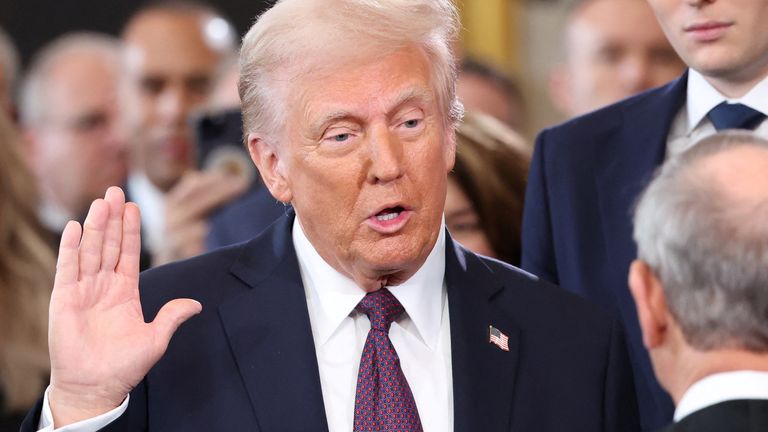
[[386, 156], [172, 106]]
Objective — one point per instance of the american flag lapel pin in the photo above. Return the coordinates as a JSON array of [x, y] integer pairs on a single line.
[[498, 338]]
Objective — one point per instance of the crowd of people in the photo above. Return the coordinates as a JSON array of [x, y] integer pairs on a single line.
[[366, 269]]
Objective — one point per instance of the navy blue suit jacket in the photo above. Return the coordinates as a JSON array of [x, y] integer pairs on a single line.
[[247, 362], [244, 218], [584, 178]]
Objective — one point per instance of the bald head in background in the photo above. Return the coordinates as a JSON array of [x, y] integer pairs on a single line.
[[613, 49], [699, 282], [173, 52], [70, 117]]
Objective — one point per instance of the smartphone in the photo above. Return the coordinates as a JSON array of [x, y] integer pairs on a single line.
[[219, 138]]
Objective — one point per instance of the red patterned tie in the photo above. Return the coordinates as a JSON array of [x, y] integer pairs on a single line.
[[384, 401]]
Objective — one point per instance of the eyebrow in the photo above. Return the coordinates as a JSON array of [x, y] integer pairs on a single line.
[[405, 98]]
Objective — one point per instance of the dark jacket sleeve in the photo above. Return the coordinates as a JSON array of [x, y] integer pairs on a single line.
[[537, 242]]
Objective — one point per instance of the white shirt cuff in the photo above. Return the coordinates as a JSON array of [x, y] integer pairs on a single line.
[[89, 425]]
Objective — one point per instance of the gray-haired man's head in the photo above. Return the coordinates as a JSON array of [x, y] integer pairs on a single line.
[[702, 226]]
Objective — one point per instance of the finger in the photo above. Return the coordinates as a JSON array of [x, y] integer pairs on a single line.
[[170, 317], [67, 267], [93, 238], [130, 248], [113, 233]]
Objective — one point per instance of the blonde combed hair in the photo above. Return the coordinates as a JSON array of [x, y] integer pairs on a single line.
[[301, 37], [26, 276]]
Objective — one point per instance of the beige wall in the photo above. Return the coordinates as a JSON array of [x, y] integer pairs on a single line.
[[522, 38]]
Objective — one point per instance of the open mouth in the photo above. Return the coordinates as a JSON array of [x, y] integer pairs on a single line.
[[390, 219], [389, 214]]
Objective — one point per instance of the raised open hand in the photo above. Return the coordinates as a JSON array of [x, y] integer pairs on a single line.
[[100, 346]]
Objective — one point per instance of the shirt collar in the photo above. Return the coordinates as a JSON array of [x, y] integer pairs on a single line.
[[702, 97], [722, 387], [334, 295], [151, 202], [53, 217]]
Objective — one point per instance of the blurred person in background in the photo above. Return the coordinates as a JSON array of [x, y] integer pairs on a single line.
[[173, 50], [9, 70], [249, 214], [70, 119], [613, 49], [484, 203], [699, 283], [482, 88], [586, 174], [26, 276]]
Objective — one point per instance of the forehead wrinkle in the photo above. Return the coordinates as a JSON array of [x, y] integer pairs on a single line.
[[329, 118], [407, 96], [414, 94]]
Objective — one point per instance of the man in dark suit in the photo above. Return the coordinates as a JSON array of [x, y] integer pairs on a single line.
[[586, 173], [356, 312], [699, 283]]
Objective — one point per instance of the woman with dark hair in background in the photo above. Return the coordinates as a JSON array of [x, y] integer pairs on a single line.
[[26, 277], [484, 205]]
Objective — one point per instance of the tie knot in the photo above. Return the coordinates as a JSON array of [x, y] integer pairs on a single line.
[[381, 307], [734, 116]]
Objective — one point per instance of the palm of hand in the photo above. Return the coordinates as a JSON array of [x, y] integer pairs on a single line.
[[100, 345]]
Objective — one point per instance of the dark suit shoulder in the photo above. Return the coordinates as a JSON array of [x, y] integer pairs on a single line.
[[608, 117], [568, 353], [536, 302], [205, 278], [743, 415]]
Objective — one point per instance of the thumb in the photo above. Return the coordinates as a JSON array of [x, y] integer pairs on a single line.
[[171, 316]]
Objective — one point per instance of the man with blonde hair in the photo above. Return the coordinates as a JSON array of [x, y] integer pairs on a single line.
[[700, 282], [356, 311]]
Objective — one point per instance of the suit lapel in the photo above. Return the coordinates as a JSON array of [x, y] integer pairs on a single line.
[[627, 163], [483, 374], [269, 332]]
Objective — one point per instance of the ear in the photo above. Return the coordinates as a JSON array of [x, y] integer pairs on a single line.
[[651, 304], [270, 166], [559, 87], [450, 155]]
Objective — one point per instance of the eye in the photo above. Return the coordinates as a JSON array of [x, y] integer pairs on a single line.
[[340, 137], [152, 86], [410, 124]]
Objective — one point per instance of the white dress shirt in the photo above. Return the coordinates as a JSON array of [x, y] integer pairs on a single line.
[[421, 337], [151, 203], [722, 387], [692, 124], [53, 217]]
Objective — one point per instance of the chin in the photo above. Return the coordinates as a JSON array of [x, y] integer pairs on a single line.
[[395, 257]]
